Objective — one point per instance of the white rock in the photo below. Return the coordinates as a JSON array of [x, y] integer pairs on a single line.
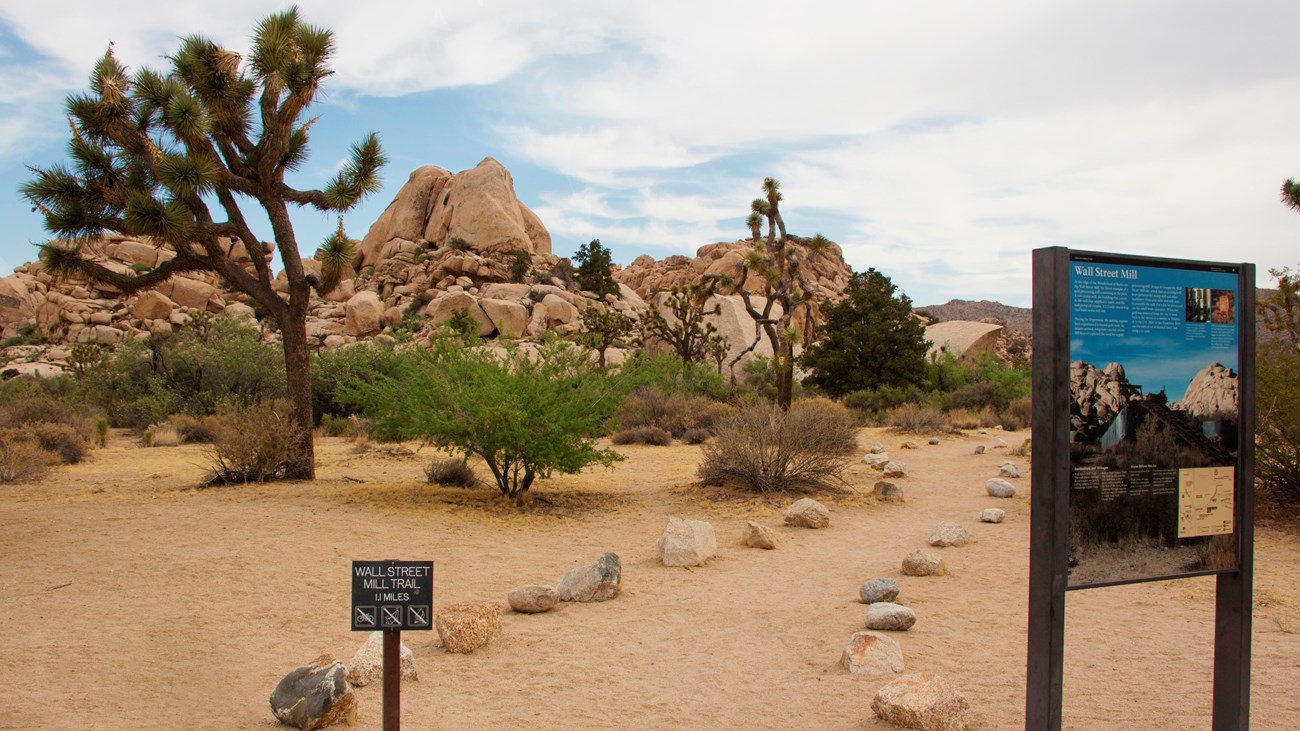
[[1009, 470], [533, 598], [923, 701], [949, 534], [686, 543], [992, 515], [596, 583], [895, 470], [367, 666], [757, 535], [999, 487]]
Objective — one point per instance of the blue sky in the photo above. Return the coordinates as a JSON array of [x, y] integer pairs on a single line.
[[939, 142]]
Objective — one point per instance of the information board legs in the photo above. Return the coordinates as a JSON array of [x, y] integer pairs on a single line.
[[392, 680]]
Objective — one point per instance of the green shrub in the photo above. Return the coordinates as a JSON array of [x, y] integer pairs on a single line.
[[525, 415], [331, 370], [456, 243], [1277, 448], [520, 266], [594, 269], [252, 443], [450, 471], [917, 419], [667, 374], [652, 435], [766, 449]]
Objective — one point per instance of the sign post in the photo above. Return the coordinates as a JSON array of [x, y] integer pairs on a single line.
[[1144, 426], [392, 596]]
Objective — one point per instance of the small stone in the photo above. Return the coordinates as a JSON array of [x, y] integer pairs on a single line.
[[533, 598], [983, 431], [979, 449], [367, 666], [999, 443], [992, 515], [315, 695], [876, 460], [999, 487], [924, 562], [466, 626], [949, 534], [923, 701], [759, 536], [934, 441], [895, 470], [888, 492], [909, 444], [596, 583], [877, 448], [686, 543], [807, 513], [890, 616], [1009, 470], [872, 654], [878, 590]]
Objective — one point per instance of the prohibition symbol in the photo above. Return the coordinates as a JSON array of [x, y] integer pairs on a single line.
[[417, 616], [365, 617], [390, 616]]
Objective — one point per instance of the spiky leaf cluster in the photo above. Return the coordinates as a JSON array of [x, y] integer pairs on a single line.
[[152, 152]]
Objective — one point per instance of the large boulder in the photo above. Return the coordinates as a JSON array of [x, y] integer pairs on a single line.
[[188, 292], [315, 695], [510, 318], [598, 582], [480, 207], [466, 626], [962, 337], [408, 213], [872, 654], [363, 314], [367, 666], [923, 701], [448, 305], [686, 543], [153, 305]]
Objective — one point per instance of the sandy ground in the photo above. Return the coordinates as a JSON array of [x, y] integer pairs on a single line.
[[131, 600]]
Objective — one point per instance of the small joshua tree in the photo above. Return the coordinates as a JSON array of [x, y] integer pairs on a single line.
[[601, 329], [686, 330]]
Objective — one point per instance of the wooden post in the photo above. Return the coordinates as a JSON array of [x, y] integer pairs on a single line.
[[1234, 592], [392, 680], [1050, 485]]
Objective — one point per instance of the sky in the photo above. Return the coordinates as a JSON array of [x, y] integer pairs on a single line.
[[939, 142]]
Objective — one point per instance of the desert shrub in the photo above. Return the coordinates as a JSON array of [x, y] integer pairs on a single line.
[[667, 374], [450, 471], [963, 419], [520, 266], [31, 408], [101, 431], [331, 370], [766, 449], [526, 415], [652, 435], [988, 417], [162, 434], [673, 412], [713, 415], [917, 419], [696, 436], [1020, 410], [59, 439], [456, 243], [189, 429], [1277, 448], [253, 443], [21, 457], [332, 426]]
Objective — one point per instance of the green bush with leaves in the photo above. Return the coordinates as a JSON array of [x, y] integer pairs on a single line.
[[668, 374], [1277, 446], [595, 265], [333, 369], [526, 415]]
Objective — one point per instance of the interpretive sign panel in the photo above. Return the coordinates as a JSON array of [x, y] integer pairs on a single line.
[[392, 595], [1154, 415]]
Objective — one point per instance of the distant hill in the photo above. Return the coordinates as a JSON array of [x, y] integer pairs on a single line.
[[1019, 319]]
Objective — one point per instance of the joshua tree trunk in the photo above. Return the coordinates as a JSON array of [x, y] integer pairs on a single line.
[[297, 371]]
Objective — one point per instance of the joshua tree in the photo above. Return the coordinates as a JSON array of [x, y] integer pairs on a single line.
[[687, 332], [777, 264], [163, 156], [1291, 194], [602, 329]]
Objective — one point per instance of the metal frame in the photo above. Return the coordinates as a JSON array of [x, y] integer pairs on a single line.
[[1049, 504]]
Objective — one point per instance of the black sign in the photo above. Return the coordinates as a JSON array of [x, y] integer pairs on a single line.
[[392, 595]]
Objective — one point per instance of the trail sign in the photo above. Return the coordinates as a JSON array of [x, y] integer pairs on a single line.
[[392, 595]]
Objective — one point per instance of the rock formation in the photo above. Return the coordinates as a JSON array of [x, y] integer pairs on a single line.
[[1097, 395], [1212, 394]]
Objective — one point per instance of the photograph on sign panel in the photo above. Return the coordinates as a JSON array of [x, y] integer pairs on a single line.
[[1153, 421]]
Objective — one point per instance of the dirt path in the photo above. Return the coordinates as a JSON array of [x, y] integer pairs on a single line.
[[132, 600]]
